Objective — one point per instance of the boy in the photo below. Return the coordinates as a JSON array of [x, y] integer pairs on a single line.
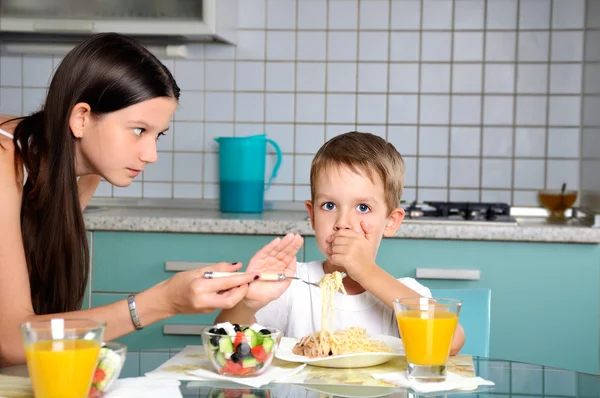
[[356, 183]]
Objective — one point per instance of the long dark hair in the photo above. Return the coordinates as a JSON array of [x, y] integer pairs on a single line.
[[109, 72]]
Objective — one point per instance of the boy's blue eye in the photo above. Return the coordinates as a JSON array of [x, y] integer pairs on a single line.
[[363, 208], [138, 131], [328, 206]]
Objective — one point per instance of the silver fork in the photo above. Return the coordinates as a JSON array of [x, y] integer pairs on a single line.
[[264, 276]]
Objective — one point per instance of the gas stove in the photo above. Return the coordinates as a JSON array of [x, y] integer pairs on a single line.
[[476, 212]]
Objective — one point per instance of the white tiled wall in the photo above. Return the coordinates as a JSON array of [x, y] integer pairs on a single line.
[[481, 97]]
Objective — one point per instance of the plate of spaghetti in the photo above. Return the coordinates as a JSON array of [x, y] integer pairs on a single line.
[[348, 348]]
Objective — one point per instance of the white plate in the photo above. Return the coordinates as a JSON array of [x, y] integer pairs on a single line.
[[362, 360]]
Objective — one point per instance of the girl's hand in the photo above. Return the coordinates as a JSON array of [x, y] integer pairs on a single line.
[[189, 292], [279, 256]]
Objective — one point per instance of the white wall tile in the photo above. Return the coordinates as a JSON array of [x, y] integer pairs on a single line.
[[502, 14], [432, 194], [499, 78], [468, 46], [310, 108], [404, 138], [590, 141], [565, 79], [591, 78], [374, 14], [218, 107], [280, 76], [310, 77], [132, 191], [498, 109], [192, 191], [468, 14], [497, 141], [188, 136], [568, 14], [249, 107], [496, 173], [332, 130], [404, 78], [534, 46], [341, 108], [410, 171], [312, 14], [216, 51], [10, 70], [436, 46], [246, 129], [433, 141], [190, 106], [406, 14], [435, 109], [249, 76], [525, 198], [251, 44], [561, 171], [589, 174], [371, 108], [529, 174], [214, 130], [37, 71], [464, 173], [496, 196], [464, 195], [188, 167], [378, 130], [219, 75], [567, 46], [282, 134], [402, 109], [591, 116], [302, 169], [435, 78], [189, 74], [279, 192], [372, 77], [33, 99], [211, 168], [105, 189], [373, 46], [530, 142], [433, 172], [161, 170], [404, 46], [251, 14], [437, 14], [302, 192], [285, 174], [500, 46], [312, 46], [279, 107], [343, 14], [532, 78], [467, 78], [309, 137], [281, 14], [466, 109], [563, 143], [57, 59], [564, 111], [342, 46], [341, 77], [592, 14], [534, 14], [465, 141], [531, 110], [11, 100], [281, 45]]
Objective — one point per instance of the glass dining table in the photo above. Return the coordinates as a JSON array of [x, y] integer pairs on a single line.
[[511, 379]]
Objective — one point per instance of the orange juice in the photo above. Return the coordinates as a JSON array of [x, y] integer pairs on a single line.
[[427, 335], [62, 368]]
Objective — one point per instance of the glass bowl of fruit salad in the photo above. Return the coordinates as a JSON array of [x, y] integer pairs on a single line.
[[240, 350], [110, 363]]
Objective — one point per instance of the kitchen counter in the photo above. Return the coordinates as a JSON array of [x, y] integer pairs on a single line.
[[279, 218]]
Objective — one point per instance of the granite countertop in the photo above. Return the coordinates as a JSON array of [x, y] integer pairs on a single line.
[[279, 218]]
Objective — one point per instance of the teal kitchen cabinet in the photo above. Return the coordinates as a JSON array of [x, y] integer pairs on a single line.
[[545, 296], [130, 262]]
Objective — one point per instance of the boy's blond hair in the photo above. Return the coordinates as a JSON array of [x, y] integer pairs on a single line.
[[363, 153]]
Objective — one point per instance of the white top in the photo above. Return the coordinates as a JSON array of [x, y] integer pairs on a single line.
[[9, 135], [297, 312]]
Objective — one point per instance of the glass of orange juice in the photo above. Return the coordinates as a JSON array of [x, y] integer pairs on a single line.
[[62, 355], [427, 327]]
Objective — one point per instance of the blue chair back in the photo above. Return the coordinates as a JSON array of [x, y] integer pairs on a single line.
[[474, 317]]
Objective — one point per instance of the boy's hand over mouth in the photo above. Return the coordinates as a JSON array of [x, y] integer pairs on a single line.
[[354, 251]]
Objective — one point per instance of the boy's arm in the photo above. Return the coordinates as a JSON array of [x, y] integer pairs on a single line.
[[387, 288]]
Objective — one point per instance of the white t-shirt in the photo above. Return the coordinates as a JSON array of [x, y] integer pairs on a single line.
[[298, 311]]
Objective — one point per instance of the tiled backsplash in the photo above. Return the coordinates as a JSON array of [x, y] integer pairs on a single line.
[[482, 98]]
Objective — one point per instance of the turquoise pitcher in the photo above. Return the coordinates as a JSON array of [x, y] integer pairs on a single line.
[[242, 172]]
